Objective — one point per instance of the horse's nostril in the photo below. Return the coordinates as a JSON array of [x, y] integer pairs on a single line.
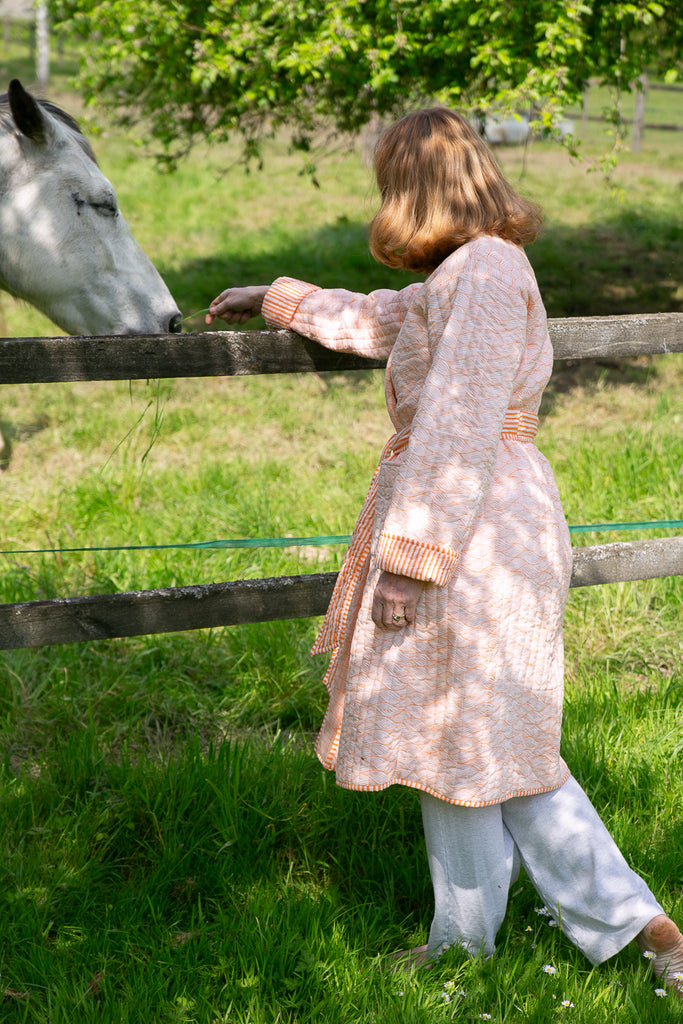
[[176, 324]]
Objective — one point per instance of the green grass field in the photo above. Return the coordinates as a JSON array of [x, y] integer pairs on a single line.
[[170, 848]]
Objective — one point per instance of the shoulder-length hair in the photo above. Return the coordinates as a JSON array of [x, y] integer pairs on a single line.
[[440, 187]]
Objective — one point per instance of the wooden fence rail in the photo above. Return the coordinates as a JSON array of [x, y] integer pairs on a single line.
[[236, 353], [174, 609], [106, 616]]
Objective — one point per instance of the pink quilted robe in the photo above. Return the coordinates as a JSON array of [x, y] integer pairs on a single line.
[[466, 703]]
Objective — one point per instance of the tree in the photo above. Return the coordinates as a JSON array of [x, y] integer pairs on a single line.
[[191, 69]]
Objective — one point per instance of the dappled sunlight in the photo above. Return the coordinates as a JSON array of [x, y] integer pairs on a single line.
[[63, 245], [170, 842]]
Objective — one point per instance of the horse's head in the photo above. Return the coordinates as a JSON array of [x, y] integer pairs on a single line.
[[64, 246]]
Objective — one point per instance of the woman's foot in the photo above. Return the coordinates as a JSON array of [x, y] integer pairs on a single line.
[[662, 939], [408, 960]]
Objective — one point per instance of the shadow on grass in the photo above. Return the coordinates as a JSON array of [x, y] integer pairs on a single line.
[[239, 869], [246, 852], [248, 841], [627, 263], [624, 264]]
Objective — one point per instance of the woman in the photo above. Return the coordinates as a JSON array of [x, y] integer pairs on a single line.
[[445, 625]]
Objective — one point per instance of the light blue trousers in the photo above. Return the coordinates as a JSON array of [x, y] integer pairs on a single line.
[[572, 861]]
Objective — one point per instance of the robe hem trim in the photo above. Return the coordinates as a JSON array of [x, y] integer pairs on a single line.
[[396, 781]]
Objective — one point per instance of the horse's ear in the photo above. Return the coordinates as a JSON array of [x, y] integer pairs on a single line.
[[28, 116]]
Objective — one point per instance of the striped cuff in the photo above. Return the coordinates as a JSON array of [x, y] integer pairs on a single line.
[[405, 557], [282, 300]]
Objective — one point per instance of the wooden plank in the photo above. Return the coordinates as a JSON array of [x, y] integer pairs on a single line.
[[648, 124], [172, 609], [616, 336], [141, 357], [175, 609], [654, 126], [627, 561], [237, 353]]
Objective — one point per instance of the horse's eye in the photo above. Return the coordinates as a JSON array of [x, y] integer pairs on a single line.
[[107, 208]]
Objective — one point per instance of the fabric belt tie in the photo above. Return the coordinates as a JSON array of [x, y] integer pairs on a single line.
[[518, 425]]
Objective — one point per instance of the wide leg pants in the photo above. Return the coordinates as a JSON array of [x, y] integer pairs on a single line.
[[572, 861]]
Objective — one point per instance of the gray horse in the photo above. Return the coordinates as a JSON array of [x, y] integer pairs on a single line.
[[64, 245]]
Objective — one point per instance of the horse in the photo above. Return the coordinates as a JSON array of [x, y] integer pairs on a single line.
[[64, 245]]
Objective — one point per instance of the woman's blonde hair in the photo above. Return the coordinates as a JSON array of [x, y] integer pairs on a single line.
[[440, 187]]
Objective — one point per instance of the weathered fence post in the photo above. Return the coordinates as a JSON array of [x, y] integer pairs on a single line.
[[42, 46], [584, 109], [640, 86]]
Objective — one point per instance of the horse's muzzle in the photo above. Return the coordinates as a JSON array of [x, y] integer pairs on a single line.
[[176, 324]]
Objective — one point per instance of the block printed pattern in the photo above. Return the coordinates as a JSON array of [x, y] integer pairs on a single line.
[[466, 702]]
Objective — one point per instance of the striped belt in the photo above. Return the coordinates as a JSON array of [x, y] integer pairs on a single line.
[[518, 425]]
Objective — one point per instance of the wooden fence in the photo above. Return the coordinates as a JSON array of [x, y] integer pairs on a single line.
[[227, 353], [640, 89], [24, 14], [639, 114]]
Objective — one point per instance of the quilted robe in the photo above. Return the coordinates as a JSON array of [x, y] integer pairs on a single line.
[[466, 702]]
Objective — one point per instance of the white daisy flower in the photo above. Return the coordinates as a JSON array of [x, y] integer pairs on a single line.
[[549, 969], [566, 1002], [649, 955], [661, 992]]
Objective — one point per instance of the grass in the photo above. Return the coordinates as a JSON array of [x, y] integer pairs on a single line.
[[170, 848]]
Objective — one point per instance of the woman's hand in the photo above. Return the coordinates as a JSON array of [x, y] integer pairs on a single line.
[[237, 305], [395, 600]]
